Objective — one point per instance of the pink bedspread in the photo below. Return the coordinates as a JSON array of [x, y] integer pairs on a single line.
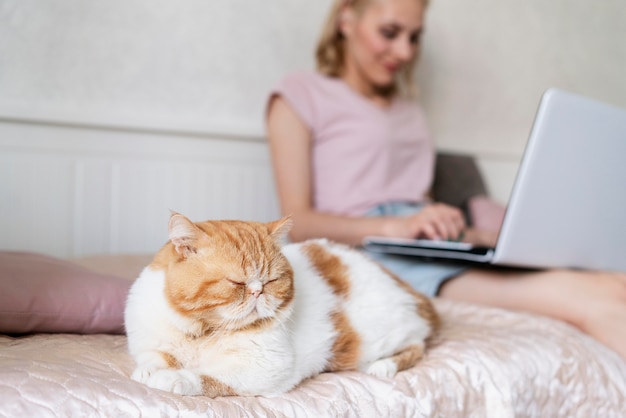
[[484, 363]]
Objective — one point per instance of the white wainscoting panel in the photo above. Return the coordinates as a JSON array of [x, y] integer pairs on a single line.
[[78, 190]]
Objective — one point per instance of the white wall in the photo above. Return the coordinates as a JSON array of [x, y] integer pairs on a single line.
[[187, 64], [485, 64], [206, 66]]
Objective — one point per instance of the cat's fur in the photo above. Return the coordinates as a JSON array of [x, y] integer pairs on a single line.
[[224, 310]]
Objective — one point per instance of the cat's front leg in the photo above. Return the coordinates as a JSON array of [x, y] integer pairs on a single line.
[[187, 382], [180, 382], [149, 362]]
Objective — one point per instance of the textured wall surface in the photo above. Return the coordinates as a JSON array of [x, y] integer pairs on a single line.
[[206, 66], [189, 64], [485, 64]]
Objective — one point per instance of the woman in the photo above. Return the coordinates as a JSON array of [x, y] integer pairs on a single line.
[[352, 157]]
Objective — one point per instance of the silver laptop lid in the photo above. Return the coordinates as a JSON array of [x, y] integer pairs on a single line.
[[568, 204]]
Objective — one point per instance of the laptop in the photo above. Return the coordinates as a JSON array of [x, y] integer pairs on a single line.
[[568, 204]]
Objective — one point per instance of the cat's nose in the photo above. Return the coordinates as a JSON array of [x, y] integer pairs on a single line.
[[255, 288]]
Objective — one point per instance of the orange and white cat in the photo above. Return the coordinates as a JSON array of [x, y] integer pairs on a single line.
[[225, 309]]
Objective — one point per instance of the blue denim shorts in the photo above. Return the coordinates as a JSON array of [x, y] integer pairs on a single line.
[[424, 276]]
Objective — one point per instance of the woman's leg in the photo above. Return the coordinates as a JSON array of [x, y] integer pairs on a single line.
[[595, 302]]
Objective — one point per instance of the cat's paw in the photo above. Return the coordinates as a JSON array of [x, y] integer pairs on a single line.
[[148, 362], [384, 368], [142, 374], [181, 382]]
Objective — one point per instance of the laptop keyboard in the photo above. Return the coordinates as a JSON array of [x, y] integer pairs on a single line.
[[465, 247], [453, 246]]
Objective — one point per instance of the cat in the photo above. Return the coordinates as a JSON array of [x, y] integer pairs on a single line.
[[225, 309]]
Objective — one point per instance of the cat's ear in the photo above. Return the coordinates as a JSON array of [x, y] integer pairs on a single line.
[[278, 229], [184, 234]]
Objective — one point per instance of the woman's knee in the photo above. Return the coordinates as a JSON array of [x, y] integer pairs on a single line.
[[576, 297], [604, 299]]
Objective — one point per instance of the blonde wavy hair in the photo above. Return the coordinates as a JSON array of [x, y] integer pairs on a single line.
[[330, 51]]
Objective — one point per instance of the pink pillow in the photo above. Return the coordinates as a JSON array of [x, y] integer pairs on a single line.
[[485, 213], [39, 293]]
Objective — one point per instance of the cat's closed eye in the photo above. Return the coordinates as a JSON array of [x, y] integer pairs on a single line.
[[236, 282]]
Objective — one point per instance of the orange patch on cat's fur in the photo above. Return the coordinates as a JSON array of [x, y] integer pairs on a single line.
[[172, 362], [408, 357], [212, 388], [345, 349], [180, 283], [330, 267], [425, 307]]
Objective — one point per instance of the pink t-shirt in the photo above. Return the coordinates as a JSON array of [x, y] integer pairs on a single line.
[[363, 154]]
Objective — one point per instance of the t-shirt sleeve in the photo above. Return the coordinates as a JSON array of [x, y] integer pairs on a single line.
[[297, 90]]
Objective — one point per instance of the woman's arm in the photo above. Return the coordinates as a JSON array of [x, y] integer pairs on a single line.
[[290, 145]]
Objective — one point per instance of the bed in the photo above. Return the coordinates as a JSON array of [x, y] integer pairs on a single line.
[[79, 218], [484, 362]]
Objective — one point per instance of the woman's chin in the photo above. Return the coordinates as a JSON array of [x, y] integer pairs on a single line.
[[384, 88]]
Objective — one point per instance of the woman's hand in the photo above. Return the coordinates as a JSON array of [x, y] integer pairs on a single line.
[[436, 221]]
